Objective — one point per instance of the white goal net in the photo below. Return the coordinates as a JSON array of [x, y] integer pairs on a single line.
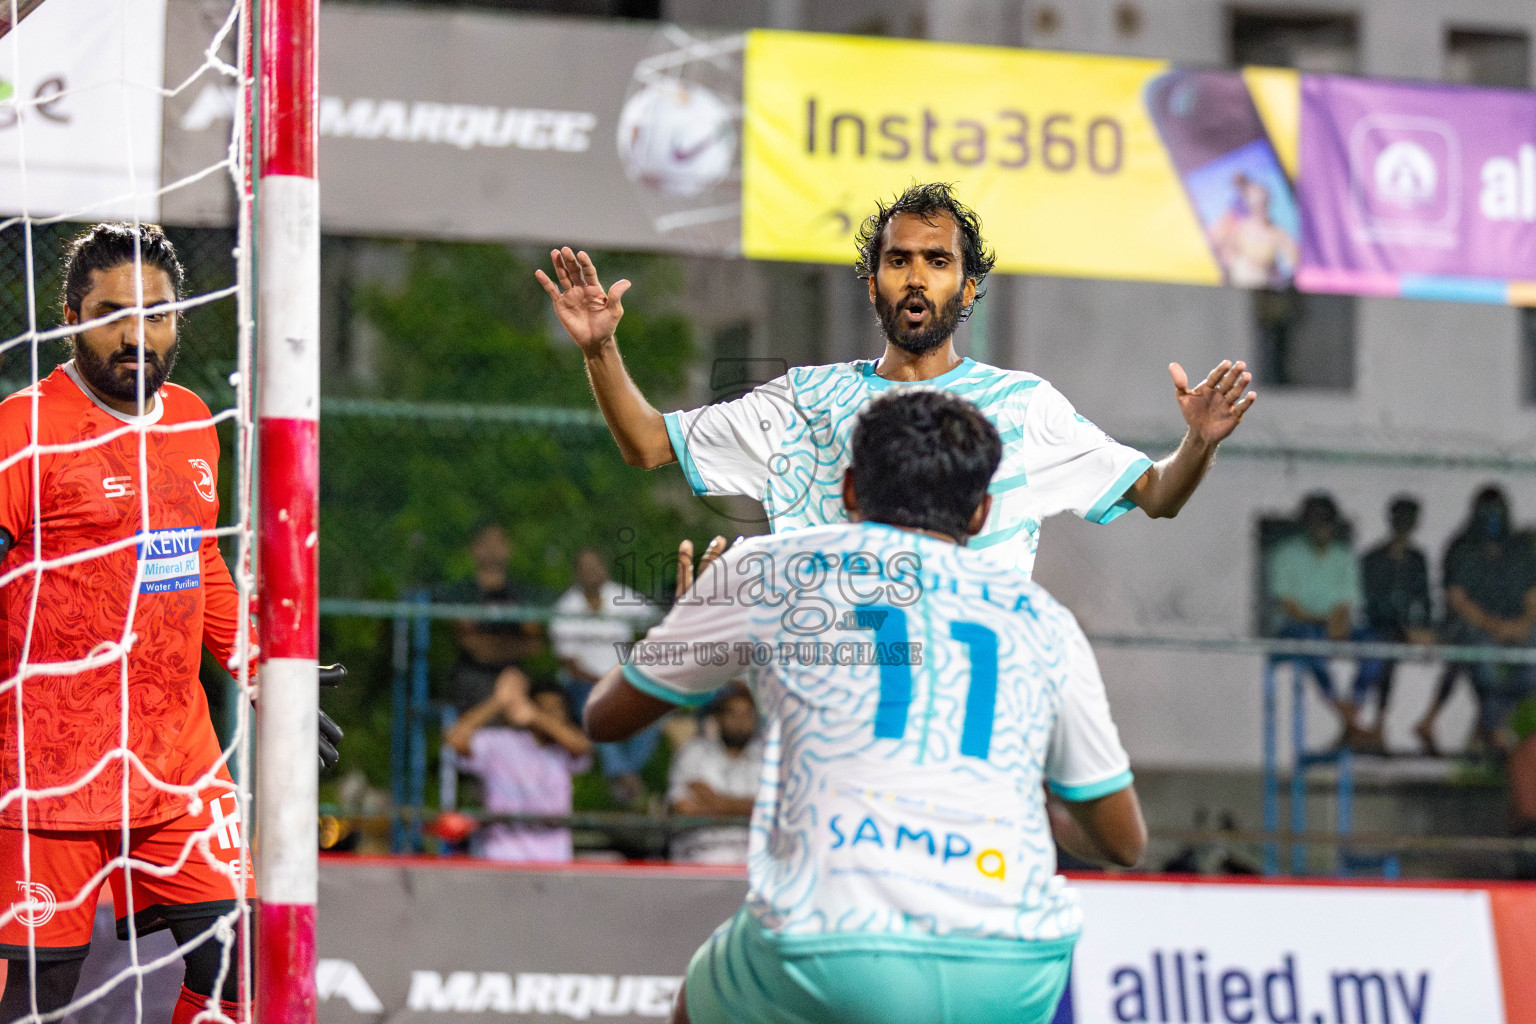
[[124, 599]]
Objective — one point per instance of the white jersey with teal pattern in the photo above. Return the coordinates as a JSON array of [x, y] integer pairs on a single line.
[[786, 443], [916, 699]]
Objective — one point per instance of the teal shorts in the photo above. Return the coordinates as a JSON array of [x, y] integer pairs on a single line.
[[746, 975]]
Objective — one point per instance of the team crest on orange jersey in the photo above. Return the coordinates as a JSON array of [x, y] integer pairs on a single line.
[[205, 483]]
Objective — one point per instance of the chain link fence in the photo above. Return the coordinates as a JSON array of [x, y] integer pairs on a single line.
[[448, 437]]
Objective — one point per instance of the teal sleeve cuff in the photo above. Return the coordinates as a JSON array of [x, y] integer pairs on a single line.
[[652, 688], [674, 423], [1113, 504], [1093, 790], [1007, 533]]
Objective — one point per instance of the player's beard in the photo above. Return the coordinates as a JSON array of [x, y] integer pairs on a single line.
[[940, 327], [103, 376]]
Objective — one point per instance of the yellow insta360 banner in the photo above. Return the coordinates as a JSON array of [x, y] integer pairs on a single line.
[[1078, 165]]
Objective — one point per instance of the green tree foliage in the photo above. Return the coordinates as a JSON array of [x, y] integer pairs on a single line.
[[470, 326], [401, 498]]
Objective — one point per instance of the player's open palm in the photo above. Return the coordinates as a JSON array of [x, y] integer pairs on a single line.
[[1214, 407], [589, 314]]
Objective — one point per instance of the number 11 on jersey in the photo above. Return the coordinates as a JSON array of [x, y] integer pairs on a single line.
[[889, 624]]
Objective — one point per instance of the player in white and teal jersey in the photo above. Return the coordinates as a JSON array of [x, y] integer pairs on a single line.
[[786, 443], [918, 699]]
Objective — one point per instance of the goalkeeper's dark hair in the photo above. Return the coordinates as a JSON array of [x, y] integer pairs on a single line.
[[112, 244], [926, 201], [923, 459]]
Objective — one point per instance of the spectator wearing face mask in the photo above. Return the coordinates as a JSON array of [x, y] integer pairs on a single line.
[[1490, 597]]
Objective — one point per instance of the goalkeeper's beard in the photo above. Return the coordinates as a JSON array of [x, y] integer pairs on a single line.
[[105, 376]]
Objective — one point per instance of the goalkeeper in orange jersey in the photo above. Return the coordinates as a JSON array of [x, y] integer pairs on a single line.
[[110, 587]]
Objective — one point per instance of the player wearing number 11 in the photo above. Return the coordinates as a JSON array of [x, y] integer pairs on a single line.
[[918, 699]]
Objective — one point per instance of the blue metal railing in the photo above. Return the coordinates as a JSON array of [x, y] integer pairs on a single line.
[[415, 714]]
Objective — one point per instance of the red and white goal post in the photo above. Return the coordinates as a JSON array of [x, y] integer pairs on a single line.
[[288, 522]]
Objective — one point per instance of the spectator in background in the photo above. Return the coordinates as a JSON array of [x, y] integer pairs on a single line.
[[1314, 582], [486, 648], [591, 620], [716, 774], [1451, 631], [522, 744], [1394, 579], [1490, 597]]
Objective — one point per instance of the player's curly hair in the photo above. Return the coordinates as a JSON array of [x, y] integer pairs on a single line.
[[923, 458], [111, 244], [925, 201]]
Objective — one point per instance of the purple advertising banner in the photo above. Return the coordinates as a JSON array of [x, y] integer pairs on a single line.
[[1410, 189]]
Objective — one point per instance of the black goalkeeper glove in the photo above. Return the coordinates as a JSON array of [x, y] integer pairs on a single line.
[[330, 732]]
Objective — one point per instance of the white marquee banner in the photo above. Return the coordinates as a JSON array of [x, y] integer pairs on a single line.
[[80, 107]]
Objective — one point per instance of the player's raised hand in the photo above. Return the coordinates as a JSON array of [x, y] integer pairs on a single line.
[[1214, 407], [687, 572], [589, 314]]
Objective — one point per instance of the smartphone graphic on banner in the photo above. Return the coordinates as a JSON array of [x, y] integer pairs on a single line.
[[1230, 172]]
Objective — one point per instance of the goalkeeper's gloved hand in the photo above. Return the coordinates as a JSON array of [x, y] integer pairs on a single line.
[[330, 732], [330, 736]]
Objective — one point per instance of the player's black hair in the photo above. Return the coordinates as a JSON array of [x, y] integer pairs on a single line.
[[925, 201], [923, 459], [111, 244]]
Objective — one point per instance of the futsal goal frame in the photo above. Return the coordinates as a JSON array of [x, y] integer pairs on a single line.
[[280, 42]]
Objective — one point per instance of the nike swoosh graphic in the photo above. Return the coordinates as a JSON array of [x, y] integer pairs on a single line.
[[684, 155]]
